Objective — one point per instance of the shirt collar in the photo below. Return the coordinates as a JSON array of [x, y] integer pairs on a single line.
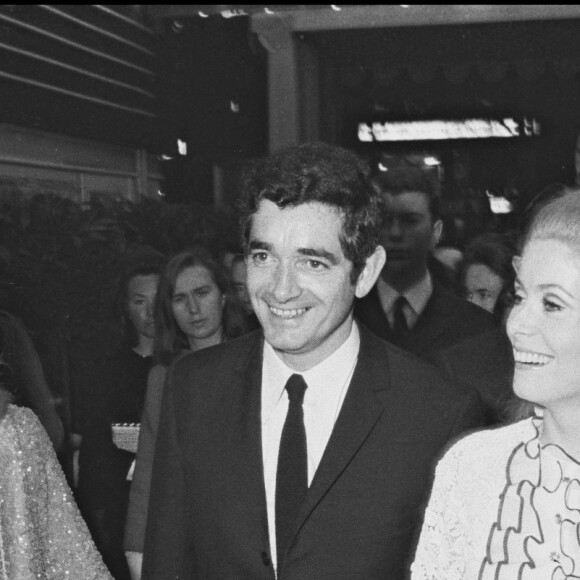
[[324, 377], [417, 295]]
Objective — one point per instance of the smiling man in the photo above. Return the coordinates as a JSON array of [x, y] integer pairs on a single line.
[[302, 450]]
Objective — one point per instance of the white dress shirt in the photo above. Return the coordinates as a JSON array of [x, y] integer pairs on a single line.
[[417, 297], [327, 383]]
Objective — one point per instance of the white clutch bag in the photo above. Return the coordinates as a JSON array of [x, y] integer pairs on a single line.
[[126, 436]]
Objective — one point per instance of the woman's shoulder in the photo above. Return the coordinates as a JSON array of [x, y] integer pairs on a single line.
[[20, 428], [21, 416], [492, 444]]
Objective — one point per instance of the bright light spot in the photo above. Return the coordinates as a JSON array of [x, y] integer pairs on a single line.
[[233, 13], [382, 167], [405, 5], [431, 161], [165, 157], [268, 11], [160, 193], [234, 107], [499, 204], [203, 14], [335, 7], [365, 133], [440, 130], [181, 147]]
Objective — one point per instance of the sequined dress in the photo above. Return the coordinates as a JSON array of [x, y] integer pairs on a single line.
[[42, 534], [503, 507]]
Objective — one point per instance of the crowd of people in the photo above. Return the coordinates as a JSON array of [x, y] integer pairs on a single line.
[[337, 402]]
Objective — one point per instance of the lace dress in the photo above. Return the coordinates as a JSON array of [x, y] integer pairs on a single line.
[[42, 534], [503, 507]]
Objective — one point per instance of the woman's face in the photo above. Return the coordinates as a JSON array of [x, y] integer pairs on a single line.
[[544, 325], [141, 292], [197, 305], [482, 286]]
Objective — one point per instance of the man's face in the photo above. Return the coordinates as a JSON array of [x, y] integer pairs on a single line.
[[409, 234], [299, 281]]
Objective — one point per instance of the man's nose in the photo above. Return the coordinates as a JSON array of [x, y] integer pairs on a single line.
[[285, 283], [394, 229]]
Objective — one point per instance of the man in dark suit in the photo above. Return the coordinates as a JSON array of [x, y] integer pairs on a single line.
[[305, 449], [410, 307]]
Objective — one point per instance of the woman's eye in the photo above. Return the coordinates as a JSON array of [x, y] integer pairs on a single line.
[[517, 298], [551, 306]]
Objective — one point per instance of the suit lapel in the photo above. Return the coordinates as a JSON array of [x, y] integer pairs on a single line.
[[361, 410], [433, 322], [244, 444]]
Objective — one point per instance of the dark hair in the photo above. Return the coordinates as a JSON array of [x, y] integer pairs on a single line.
[[496, 251], [318, 172], [6, 380], [144, 262], [238, 259], [170, 340], [403, 180]]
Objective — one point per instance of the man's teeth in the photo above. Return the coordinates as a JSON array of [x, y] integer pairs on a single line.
[[288, 313], [532, 358]]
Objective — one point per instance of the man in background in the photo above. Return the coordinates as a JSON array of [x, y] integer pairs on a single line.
[[410, 307]]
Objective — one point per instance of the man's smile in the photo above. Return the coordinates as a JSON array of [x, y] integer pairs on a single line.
[[288, 312]]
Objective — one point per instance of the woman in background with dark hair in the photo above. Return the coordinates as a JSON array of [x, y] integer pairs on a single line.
[[118, 398], [196, 307], [486, 274]]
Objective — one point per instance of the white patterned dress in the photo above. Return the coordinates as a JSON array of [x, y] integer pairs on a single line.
[[503, 507], [42, 534]]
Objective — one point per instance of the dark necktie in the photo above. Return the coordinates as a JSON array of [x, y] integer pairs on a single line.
[[400, 327], [292, 471]]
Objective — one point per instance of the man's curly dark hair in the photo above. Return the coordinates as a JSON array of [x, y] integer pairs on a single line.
[[321, 173]]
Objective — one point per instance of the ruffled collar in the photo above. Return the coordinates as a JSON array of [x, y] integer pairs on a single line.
[[536, 532]]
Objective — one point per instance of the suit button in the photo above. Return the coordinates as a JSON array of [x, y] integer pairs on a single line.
[[265, 558]]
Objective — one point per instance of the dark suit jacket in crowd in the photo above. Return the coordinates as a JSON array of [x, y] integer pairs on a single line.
[[207, 515], [460, 338]]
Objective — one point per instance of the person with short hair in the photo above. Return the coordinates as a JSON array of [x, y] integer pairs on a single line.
[[301, 450], [410, 307], [117, 398]]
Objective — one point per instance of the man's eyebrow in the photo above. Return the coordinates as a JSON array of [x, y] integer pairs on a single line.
[[258, 245], [319, 253]]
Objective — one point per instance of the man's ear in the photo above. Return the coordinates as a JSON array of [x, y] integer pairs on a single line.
[[437, 233], [370, 272]]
